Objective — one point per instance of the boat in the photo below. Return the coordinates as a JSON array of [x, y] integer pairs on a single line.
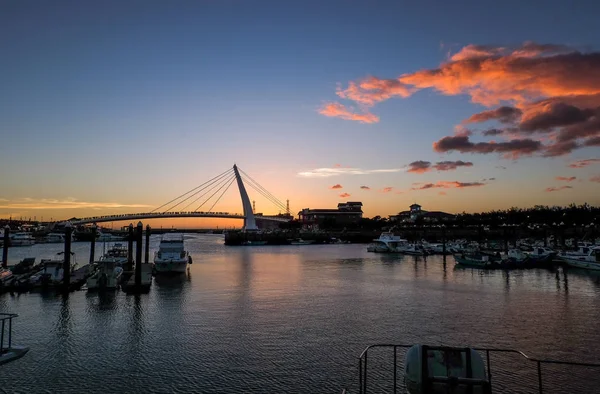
[[6, 276], [254, 243], [473, 260], [540, 255], [21, 239], [300, 241], [109, 269], [50, 274], [445, 369], [413, 249], [54, 238], [388, 242], [591, 261], [171, 256], [9, 351], [107, 237]]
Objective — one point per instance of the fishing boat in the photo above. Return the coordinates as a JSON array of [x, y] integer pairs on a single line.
[[107, 237], [473, 260], [21, 239], [591, 261], [541, 256], [109, 269], [50, 274], [55, 238], [300, 241], [413, 249], [171, 256]]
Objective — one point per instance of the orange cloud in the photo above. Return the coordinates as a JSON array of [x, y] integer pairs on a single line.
[[442, 193], [344, 195], [555, 189], [566, 179], [583, 163], [595, 179], [337, 110], [387, 189], [540, 89], [446, 185], [337, 186]]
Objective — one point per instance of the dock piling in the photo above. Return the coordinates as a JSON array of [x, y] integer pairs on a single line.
[[130, 247], [5, 247], [147, 252], [444, 241], [67, 258], [93, 245], [138, 254]]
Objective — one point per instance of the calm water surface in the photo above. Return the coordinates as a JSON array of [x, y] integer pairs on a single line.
[[293, 319]]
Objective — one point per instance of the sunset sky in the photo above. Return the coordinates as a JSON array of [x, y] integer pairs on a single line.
[[116, 107]]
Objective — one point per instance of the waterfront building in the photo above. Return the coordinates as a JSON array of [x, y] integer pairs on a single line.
[[415, 212], [347, 213]]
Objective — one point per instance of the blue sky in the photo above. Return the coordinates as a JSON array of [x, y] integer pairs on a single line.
[[136, 102]]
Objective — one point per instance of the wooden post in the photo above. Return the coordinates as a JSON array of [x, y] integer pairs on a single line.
[[444, 241], [67, 258], [505, 240], [138, 254], [147, 254], [6, 246], [93, 245], [130, 247]]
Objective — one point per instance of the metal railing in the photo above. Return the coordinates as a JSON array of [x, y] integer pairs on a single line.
[[3, 318], [469, 381]]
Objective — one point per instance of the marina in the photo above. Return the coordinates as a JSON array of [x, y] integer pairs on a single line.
[[333, 299]]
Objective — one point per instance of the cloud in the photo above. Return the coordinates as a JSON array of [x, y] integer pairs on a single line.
[[442, 193], [420, 166], [595, 179], [344, 195], [387, 189], [583, 163], [492, 132], [502, 114], [547, 94], [365, 187], [446, 185], [513, 148], [566, 179], [337, 110], [337, 171], [336, 186], [69, 203], [555, 189]]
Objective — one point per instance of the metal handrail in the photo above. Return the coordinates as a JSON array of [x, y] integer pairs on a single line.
[[4, 317], [363, 359]]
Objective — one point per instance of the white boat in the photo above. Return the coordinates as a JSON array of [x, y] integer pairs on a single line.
[[110, 269], [301, 241], [54, 238], [21, 239], [104, 237], [591, 261], [413, 249], [51, 273], [388, 242], [171, 255]]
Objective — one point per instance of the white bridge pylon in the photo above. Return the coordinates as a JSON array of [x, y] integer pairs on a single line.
[[220, 183]]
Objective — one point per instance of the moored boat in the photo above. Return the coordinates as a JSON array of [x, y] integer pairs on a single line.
[[171, 256], [300, 241], [473, 260], [591, 261], [21, 239]]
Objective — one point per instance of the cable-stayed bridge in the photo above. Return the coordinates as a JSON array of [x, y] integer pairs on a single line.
[[204, 198]]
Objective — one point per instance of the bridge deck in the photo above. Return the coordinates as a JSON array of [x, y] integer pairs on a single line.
[[159, 215]]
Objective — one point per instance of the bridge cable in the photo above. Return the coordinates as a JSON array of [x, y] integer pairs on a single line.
[[273, 199], [221, 195], [267, 197], [209, 187], [177, 198], [208, 190], [211, 196]]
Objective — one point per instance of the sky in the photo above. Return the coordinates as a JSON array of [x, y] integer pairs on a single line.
[[117, 107]]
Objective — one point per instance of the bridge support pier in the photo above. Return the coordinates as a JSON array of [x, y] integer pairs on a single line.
[[249, 220]]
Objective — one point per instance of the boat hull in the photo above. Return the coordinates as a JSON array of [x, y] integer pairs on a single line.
[[467, 262], [170, 266], [576, 263]]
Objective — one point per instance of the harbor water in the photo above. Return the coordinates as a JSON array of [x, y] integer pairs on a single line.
[[293, 319]]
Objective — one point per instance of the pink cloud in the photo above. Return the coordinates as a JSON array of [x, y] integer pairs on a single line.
[[446, 185], [595, 178], [365, 187], [344, 195], [583, 163], [420, 166], [566, 179], [337, 186], [337, 110], [555, 189], [387, 189]]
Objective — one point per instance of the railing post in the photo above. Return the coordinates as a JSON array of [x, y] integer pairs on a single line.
[[540, 376], [360, 372], [395, 361], [365, 378], [2, 338], [10, 332], [489, 369]]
